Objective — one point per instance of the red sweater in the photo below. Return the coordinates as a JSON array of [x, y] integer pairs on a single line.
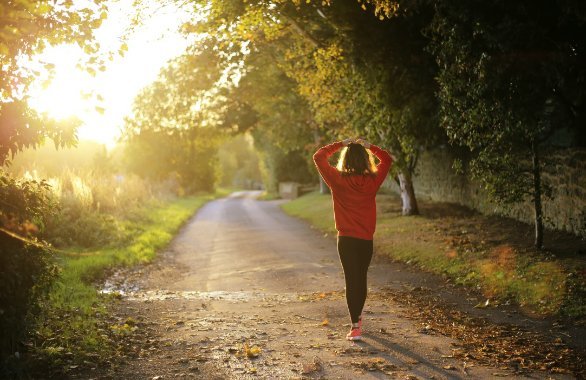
[[353, 195]]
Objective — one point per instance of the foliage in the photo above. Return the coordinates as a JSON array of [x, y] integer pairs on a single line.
[[184, 156], [239, 163], [172, 129], [371, 78], [507, 75], [353, 73], [511, 77], [23, 203], [91, 205], [279, 166], [27, 28], [21, 128], [282, 125], [26, 267], [26, 272]]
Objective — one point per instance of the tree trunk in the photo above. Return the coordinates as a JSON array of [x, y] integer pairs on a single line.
[[408, 194], [537, 196], [323, 188]]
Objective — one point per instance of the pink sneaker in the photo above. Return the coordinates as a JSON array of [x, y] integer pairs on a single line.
[[355, 333]]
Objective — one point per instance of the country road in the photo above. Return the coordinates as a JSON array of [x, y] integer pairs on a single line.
[[245, 291]]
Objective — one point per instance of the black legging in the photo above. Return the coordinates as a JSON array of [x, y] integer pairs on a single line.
[[355, 255]]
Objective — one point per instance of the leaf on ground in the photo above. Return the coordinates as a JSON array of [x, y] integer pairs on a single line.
[[314, 367], [376, 364], [251, 352], [325, 322]]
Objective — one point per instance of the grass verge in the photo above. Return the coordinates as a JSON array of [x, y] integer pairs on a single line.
[[489, 253], [73, 328]]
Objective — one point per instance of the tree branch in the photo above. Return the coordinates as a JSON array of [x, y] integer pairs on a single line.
[[302, 32]]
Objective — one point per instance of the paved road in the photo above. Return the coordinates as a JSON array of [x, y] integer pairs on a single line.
[[245, 291], [238, 243]]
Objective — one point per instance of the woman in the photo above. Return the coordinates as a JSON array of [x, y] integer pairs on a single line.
[[354, 184]]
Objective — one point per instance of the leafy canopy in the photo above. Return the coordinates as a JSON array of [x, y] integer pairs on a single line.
[[27, 28]]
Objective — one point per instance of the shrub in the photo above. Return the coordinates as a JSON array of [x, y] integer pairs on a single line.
[[26, 271], [90, 205], [26, 266]]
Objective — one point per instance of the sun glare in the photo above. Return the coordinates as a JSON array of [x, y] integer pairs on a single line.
[[102, 101], [61, 97]]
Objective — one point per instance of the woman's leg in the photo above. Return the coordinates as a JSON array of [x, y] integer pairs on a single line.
[[355, 255]]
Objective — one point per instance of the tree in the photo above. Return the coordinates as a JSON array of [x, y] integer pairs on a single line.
[[26, 28], [378, 82], [512, 75], [173, 126], [239, 163], [358, 74], [282, 128], [264, 101]]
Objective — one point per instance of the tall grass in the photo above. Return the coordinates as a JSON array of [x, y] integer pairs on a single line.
[[91, 208]]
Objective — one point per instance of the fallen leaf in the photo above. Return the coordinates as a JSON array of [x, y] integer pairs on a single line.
[[251, 352], [308, 368]]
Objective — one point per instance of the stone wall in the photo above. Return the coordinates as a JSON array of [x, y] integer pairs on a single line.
[[436, 180]]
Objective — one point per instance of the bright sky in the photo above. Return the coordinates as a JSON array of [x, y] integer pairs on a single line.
[[150, 46]]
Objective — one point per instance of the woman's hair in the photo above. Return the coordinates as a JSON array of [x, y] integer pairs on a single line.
[[356, 160]]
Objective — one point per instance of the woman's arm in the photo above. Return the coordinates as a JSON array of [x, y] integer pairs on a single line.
[[327, 172]]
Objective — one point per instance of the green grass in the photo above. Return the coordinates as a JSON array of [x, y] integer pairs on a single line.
[[73, 326], [540, 284], [314, 208]]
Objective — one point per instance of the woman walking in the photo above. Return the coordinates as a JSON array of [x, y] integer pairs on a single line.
[[354, 183]]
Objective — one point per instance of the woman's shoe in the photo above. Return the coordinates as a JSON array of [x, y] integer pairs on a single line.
[[355, 334]]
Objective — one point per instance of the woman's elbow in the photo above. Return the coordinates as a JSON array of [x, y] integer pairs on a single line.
[[316, 156]]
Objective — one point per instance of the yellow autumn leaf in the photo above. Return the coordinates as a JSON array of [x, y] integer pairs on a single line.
[[251, 352]]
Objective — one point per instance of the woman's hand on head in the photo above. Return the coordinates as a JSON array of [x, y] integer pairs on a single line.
[[346, 142], [363, 142]]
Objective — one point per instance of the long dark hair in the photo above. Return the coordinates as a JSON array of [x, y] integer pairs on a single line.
[[356, 160]]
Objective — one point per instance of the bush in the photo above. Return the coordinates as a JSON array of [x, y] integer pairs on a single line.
[[26, 267], [90, 205], [26, 271]]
